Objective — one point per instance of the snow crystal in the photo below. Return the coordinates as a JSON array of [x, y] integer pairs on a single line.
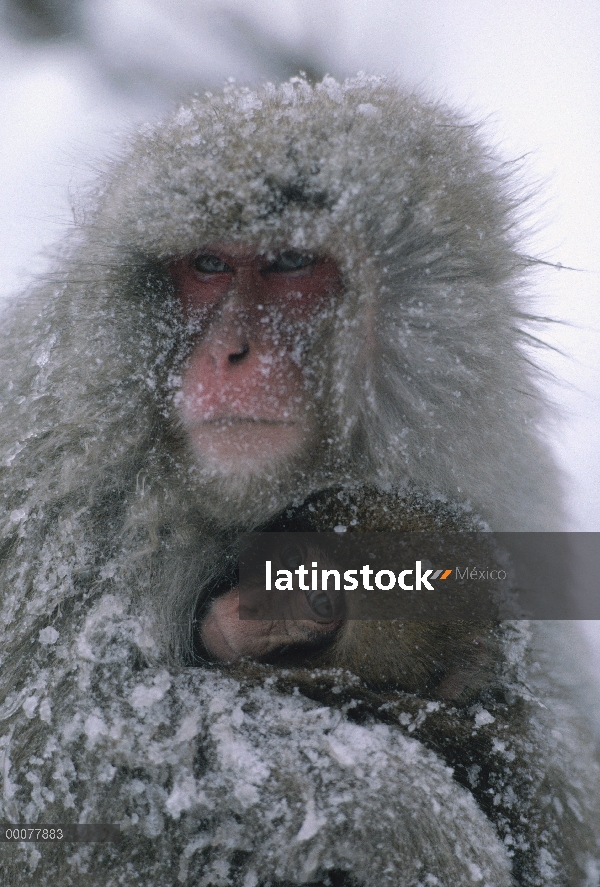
[[183, 117], [476, 873], [368, 109], [30, 705], [94, 727], [188, 728], [342, 753], [145, 696], [48, 635], [312, 824], [248, 102], [184, 796], [483, 717], [45, 711]]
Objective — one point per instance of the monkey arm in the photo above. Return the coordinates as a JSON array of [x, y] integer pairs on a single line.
[[221, 780], [504, 749]]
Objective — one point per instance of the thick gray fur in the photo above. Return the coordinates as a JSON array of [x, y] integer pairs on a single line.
[[109, 536]]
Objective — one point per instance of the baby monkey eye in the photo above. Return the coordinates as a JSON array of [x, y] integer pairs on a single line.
[[321, 604], [292, 556], [290, 260], [209, 264]]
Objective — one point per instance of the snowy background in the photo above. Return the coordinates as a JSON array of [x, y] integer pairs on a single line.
[[75, 75]]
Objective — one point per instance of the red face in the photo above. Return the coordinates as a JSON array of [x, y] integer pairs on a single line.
[[247, 392]]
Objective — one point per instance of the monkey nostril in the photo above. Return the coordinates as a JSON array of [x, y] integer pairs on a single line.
[[239, 355]]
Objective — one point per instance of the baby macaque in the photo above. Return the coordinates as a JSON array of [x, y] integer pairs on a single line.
[[429, 657]]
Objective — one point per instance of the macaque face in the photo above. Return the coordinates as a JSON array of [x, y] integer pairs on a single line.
[[307, 620], [228, 638], [247, 391]]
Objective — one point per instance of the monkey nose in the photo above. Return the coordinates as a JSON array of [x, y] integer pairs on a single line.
[[226, 347], [239, 353]]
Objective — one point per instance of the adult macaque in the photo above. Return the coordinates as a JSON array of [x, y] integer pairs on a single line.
[[273, 295]]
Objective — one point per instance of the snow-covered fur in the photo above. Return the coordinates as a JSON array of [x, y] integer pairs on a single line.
[[430, 380], [108, 540]]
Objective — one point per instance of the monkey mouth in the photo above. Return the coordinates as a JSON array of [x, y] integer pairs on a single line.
[[245, 425], [234, 443], [228, 421]]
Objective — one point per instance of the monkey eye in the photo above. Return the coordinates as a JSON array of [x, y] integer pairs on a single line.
[[320, 603], [291, 557], [206, 263], [290, 260]]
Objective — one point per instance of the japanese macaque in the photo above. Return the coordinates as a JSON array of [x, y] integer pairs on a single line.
[[434, 659], [301, 303]]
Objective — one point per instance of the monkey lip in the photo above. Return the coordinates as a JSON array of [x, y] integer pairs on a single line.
[[228, 421], [235, 443]]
